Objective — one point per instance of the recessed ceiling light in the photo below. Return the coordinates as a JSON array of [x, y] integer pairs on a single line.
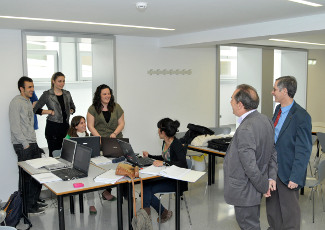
[[306, 3], [82, 22], [308, 43]]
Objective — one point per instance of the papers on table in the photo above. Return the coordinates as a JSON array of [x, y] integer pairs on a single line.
[[174, 172], [101, 160], [108, 177], [41, 162], [153, 170], [46, 177]]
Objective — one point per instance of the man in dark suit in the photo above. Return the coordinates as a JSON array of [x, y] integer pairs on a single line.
[[293, 145], [250, 166]]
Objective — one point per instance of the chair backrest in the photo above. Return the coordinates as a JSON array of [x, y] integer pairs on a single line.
[[189, 163], [313, 139], [321, 171], [321, 139], [221, 130], [217, 131]]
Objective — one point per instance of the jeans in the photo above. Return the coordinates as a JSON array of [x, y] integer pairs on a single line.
[[151, 188], [32, 187]]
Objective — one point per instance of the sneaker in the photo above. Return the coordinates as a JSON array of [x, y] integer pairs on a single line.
[[42, 205], [165, 216], [35, 211], [92, 210], [41, 200]]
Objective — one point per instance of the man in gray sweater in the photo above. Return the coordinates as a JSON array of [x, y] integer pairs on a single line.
[[23, 138]]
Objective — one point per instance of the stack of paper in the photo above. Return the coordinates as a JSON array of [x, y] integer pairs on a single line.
[[153, 170], [41, 162], [183, 174], [108, 177], [46, 177], [101, 160]]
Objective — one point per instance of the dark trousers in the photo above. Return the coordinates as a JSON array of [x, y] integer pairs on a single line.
[[54, 134], [248, 218], [151, 188], [282, 208], [32, 187]]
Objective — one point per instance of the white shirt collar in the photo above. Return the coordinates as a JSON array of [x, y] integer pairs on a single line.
[[242, 117]]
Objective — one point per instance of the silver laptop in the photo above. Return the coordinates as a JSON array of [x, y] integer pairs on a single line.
[[67, 155]]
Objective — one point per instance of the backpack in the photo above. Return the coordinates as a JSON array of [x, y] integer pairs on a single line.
[[13, 209], [141, 220]]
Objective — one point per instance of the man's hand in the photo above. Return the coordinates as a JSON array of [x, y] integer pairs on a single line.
[[292, 185], [272, 187]]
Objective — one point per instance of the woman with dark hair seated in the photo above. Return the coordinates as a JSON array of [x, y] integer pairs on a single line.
[[78, 129], [173, 153], [105, 118]]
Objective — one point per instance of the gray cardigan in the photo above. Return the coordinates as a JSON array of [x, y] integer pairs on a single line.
[[21, 120], [49, 99]]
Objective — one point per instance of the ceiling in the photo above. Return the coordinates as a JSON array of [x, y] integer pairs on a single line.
[[203, 22]]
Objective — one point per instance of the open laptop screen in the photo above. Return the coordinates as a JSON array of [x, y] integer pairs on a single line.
[[68, 150], [92, 142], [82, 158]]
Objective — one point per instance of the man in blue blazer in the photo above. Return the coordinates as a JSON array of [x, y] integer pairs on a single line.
[[250, 166], [293, 145]]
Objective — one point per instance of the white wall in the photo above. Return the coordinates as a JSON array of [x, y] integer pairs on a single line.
[[294, 63], [146, 99], [249, 68], [316, 92], [11, 71]]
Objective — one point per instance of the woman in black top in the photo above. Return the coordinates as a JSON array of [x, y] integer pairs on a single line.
[[173, 153], [60, 105]]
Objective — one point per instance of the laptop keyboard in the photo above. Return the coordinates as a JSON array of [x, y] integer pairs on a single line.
[[145, 161], [68, 173]]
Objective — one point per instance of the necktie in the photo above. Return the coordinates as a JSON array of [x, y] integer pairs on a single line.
[[277, 118]]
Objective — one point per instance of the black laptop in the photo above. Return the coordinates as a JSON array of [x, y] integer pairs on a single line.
[[92, 142], [111, 148], [132, 158], [80, 165]]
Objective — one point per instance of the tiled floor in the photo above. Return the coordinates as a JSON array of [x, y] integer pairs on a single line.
[[207, 208]]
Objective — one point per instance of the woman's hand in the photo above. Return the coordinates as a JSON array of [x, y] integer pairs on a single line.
[[158, 163], [145, 154], [113, 135]]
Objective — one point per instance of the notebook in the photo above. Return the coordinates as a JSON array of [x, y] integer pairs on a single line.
[[92, 142], [80, 165], [111, 147], [67, 155], [132, 158]]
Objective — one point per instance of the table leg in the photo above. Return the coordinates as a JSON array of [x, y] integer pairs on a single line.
[[213, 171], [119, 207], [61, 213], [81, 202], [71, 205], [177, 205], [130, 205], [22, 185], [209, 169]]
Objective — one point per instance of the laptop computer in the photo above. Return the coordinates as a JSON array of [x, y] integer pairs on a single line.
[[92, 142], [67, 155], [132, 158], [111, 147], [80, 165]]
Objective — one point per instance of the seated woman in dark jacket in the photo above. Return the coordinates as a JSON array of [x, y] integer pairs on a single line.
[[173, 153]]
